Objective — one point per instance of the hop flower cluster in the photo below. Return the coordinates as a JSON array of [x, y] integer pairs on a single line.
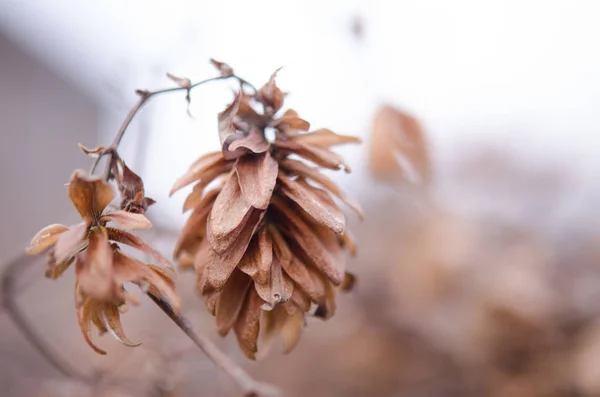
[[101, 268], [265, 236]]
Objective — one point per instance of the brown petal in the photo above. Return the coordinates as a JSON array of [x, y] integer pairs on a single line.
[[94, 268], [228, 212], [320, 210], [227, 131], [254, 141], [220, 266], [324, 138], [84, 318], [126, 238], [195, 228], [327, 309], [54, 270], [70, 243], [271, 95], [288, 123], [247, 326], [257, 176], [305, 277], [90, 195], [349, 282], [247, 117], [196, 197], [156, 281], [211, 302], [257, 260], [278, 289], [301, 169], [290, 113], [127, 220], [347, 240], [300, 299], [111, 318], [320, 156], [202, 257], [280, 247], [95, 317], [45, 238], [301, 233], [231, 300], [205, 165], [292, 330], [279, 323]]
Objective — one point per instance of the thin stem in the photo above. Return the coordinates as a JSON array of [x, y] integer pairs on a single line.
[[8, 279], [144, 97], [249, 386]]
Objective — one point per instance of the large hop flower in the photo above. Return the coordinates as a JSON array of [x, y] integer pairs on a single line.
[[101, 268], [267, 241]]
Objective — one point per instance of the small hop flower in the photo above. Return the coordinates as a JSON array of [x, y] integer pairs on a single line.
[[101, 268], [267, 241]]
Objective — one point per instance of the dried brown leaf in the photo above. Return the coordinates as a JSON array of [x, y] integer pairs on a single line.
[[204, 167], [349, 282], [292, 124], [327, 309], [257, 260], [127, 220], [45, 238], [247, 326], [84, 318], [90, 195], [292, 330], [301, 169], [324, 138], [228, 131], [70, 242], [257, 176], [231, 300], [220, 266], [111, 318], [195, 228], [94, 268], [254, 141], [270, 95], [304, 235], [227, 215], [320, 210], [321, 157], [126, 238]]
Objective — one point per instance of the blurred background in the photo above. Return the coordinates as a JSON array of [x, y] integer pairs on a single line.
[[478, 259]]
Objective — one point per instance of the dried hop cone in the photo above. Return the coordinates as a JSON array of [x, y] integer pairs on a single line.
[[101, 268], [266, 238]]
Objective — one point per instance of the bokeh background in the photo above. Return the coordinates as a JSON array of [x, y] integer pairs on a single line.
[[480, 280]]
